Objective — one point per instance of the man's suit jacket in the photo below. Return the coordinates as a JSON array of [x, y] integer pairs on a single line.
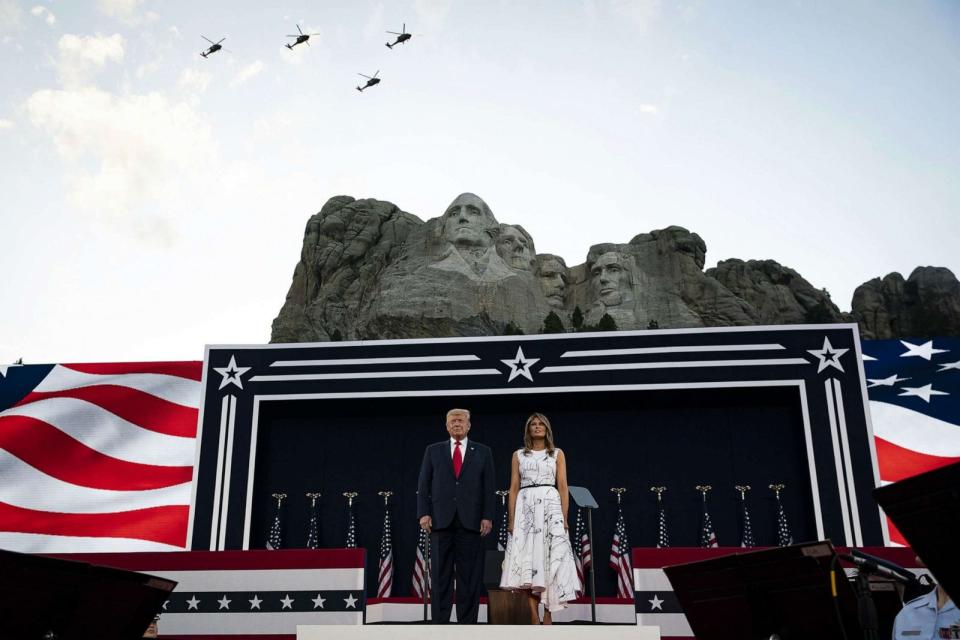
[[441, 495]]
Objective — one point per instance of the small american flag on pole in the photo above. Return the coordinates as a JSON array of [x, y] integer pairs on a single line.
[[385, 581], [620, 553], [784, 537], [708, 538], [421, 579], [578, 532]]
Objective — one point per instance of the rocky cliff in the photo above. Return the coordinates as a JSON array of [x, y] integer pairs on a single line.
[[367, 269]]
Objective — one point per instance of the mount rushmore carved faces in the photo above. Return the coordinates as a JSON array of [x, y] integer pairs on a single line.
[[552, 273], [611, 279], [515, 246], [468, 222]]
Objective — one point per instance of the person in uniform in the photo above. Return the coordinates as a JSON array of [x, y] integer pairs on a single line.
[[933, 615]]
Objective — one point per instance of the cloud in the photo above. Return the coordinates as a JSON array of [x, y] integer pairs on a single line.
[[6, 124], [194, 81], [80, 57], [247, 72], [432, 14], [374, 25], [41, 11], [11, 16], [124, 154], [643, 13], [126, 11], [649, 109]]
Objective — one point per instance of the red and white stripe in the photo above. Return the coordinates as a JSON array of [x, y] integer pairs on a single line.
[[620, 563], [99, 457], [420, 576], [386, 576], [909, 443]]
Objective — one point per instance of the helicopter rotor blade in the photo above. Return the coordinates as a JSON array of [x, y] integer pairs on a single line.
[[221, 40], [377, 73], [395, 33], [365, 76], [404, 27], [209, 40], [299, 29]]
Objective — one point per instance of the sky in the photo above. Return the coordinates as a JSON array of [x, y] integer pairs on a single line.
[[154, 201]]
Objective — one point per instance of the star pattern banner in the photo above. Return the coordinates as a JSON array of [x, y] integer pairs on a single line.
[[914, 389]]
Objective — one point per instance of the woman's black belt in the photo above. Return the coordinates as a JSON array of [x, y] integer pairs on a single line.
[[531, 486]]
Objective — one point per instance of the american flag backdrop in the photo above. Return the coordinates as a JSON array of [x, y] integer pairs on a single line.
[[97, 457], [914, 391]]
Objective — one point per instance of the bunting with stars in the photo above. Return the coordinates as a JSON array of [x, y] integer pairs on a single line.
[[253, 593], [914, 392]]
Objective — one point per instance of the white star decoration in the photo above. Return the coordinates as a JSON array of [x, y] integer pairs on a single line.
[[923, 392], [255, 603], [318, 601], [520, 366], [949, 365], [351, 601], [192, 603], [884, 382], [231, 373], [224, 603], [656, 603], [924, 350], [828, 356], [287, 602]]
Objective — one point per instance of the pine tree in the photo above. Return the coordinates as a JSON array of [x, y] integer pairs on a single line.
[[512, 330], [576, 320], [552, 324], [336, 336], [653, 325], [607, 323]]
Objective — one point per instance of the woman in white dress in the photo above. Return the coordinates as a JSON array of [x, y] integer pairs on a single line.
[[539, 558]]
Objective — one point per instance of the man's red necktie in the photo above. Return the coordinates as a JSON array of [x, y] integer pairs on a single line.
[[457, 459]]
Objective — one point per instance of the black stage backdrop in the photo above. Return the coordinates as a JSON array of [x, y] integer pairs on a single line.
[[632, 439]]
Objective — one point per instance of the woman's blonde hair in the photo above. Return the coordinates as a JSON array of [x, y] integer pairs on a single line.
[[548, 437]]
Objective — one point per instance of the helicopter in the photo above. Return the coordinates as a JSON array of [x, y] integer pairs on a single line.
[[371, 81], [303, 37], [401, 37], [214, 46]]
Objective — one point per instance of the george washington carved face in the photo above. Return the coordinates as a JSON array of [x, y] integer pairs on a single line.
[[468, 222]]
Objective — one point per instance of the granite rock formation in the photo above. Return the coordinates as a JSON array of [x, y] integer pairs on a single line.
[[370, 270], [925, 305]]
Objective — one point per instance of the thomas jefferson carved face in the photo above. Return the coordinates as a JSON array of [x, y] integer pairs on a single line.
[[514, 247], [611, 279], [469, 222], [553, 279]]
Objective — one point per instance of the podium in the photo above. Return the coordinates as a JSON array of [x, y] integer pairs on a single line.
[[51, 599]]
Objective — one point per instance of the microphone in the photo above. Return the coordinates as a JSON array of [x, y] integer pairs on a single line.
[[867, 563]]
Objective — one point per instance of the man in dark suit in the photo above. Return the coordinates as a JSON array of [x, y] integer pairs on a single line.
[[455, 505]]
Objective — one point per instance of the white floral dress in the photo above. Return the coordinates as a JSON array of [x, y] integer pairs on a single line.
[[538, 554]]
